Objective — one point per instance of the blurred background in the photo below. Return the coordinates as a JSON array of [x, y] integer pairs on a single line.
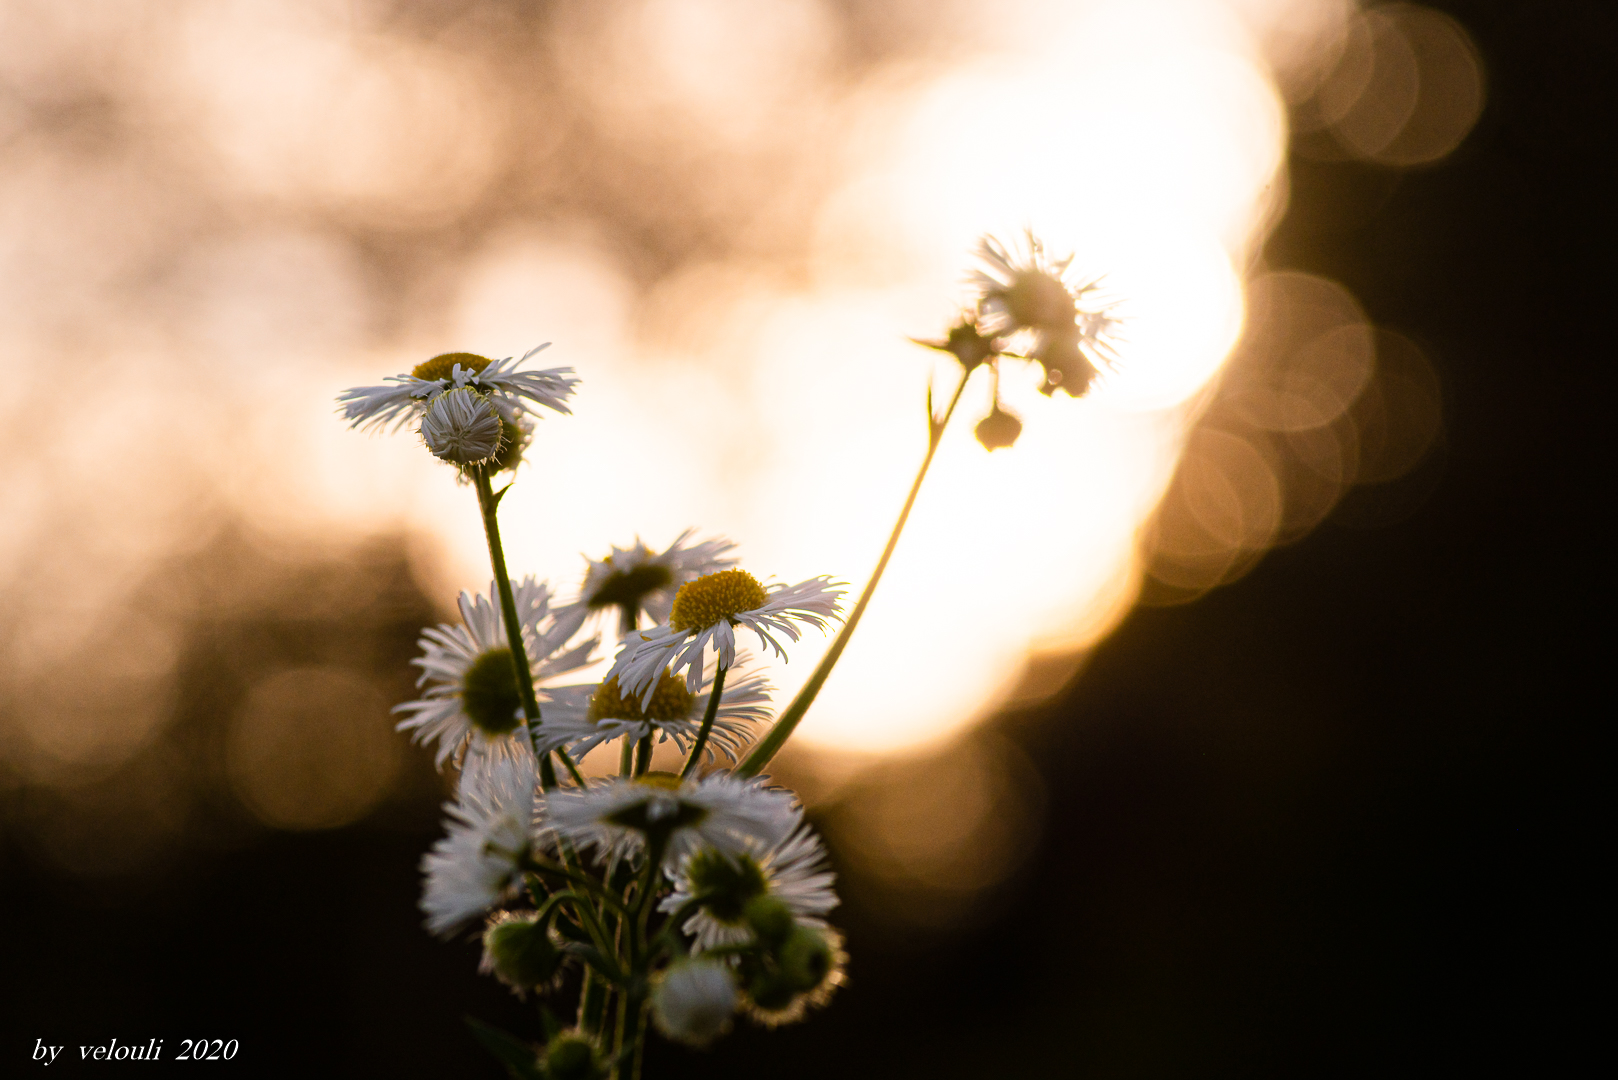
[[1208, 731]]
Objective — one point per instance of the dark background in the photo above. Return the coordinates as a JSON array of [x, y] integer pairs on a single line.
[[1331, 819]]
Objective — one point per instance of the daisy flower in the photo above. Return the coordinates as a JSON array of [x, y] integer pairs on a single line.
[[635, 580], [405, 397], [708, 610], [718, 811], [489, 831], [674, 712], [1027, 294], [472, 698], [793, 872]]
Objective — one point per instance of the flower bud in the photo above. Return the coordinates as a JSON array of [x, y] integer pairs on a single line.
[[519, 952], [461, 427], [998, 429], [806, 959], [573, 1057], [694, 1001], [965, 342], [772, 921], [773, 996], [726, 882]]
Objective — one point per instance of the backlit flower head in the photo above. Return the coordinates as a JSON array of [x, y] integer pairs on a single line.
[[720, 811], [674, 713], [1026, 296], [472, 698], [461, 427], [509, 390], [694, 1001], [490, 828], [636, 580], [707, 611], [793, 872]]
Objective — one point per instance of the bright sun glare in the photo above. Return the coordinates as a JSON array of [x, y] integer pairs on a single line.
[[1146, 145]]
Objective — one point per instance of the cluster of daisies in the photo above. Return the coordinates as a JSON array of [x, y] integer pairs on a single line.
[[688, 898], [576, 876]]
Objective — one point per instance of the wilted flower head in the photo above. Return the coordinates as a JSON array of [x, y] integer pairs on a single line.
[[694, 1001], [508, 390], [708, 610], [1026, 295], [461, 427]]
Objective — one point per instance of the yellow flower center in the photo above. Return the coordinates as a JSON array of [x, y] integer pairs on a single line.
[[703, 602], [670, 701], [665, 781], [442, 367]]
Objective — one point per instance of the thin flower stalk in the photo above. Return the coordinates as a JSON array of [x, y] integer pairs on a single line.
[[489, 503], [771, 744]]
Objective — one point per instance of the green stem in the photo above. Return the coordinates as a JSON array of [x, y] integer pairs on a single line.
[[707, 722], [636, 1007], [489, 503], [596, 889], [643, 756], [771, 744]]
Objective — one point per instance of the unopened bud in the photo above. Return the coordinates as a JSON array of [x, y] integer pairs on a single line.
[[461, 427], [573, 1057], [998, 429], [519, 952], [694, 1001], [772, 921], [806, 959], [773, 993], [726, 882]]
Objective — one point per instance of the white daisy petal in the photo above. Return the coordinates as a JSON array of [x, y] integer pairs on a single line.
[[490, 829], [719, 810], [636, 581], [465, 703], [675, 715], [706, 612], [794, 872]]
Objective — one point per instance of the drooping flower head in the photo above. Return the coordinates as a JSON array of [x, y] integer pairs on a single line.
[[674, 713], [1026, 296], [707, 611], [636, 580], [680, 815], [508, 390], [472, 700], [793, 872], [518, 950], [490, 829]]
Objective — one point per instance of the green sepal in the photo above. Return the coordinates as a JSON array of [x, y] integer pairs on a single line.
[[520, 1059]]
